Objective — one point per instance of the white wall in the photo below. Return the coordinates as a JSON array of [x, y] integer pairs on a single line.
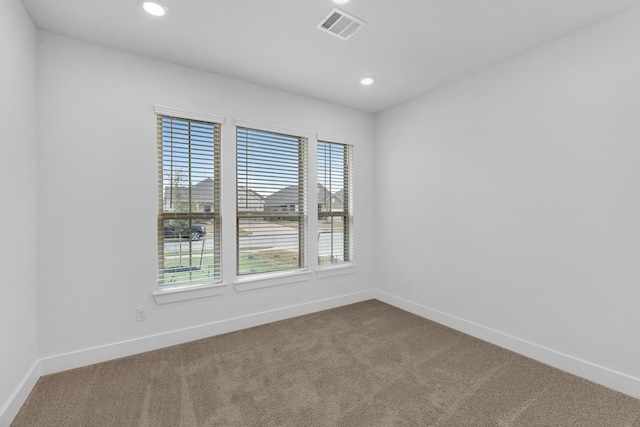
[[18, 263], [512, 202], [97, 193]]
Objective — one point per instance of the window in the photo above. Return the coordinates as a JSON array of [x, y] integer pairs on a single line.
[[271, 201], [335, 241], [188, 201]]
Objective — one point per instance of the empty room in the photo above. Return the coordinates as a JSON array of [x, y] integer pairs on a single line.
[[320, 213]]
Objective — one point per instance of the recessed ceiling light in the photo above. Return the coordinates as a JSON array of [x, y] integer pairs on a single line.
[[154, 7], [367, 80], [340, 1]]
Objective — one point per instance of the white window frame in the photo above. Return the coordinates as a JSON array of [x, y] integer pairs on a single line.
[[347, 265], [280, 277], [166, 293]]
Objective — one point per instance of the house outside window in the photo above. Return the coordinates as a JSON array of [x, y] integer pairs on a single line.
[[189, 223], [270, 201], [335, 203]]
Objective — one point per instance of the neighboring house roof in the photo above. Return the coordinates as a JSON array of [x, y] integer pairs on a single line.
[[331, 202], [248, 199], [202, 192], [249, 192], [286, 197], [324, 195], [289, 196]]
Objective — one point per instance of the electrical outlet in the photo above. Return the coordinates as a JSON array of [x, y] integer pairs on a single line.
[[141, 314], [408, 283]]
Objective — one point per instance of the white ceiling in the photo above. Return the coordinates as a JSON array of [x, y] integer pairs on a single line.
[[411, 46]]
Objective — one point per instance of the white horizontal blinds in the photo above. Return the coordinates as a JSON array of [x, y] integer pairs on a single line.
[[271, 201], [189, 201], [335, 203]]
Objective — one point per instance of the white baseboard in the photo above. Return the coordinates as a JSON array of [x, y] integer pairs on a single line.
[[598, 374], [11, 408], [77, 359]]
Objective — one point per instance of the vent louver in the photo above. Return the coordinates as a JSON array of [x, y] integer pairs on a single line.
[[340, 24]]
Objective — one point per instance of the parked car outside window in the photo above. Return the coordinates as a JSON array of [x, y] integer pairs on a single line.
[[182, 231]]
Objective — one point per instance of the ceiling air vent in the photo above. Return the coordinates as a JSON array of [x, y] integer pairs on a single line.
[[340, 24]]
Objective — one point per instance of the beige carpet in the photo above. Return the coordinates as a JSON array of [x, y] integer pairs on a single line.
[[367, 364]]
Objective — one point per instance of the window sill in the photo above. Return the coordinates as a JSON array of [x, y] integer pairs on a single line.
[[270, 279], [183, 293], [335, 270]]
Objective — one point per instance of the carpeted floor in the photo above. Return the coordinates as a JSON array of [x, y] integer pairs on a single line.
[[367, 364]]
